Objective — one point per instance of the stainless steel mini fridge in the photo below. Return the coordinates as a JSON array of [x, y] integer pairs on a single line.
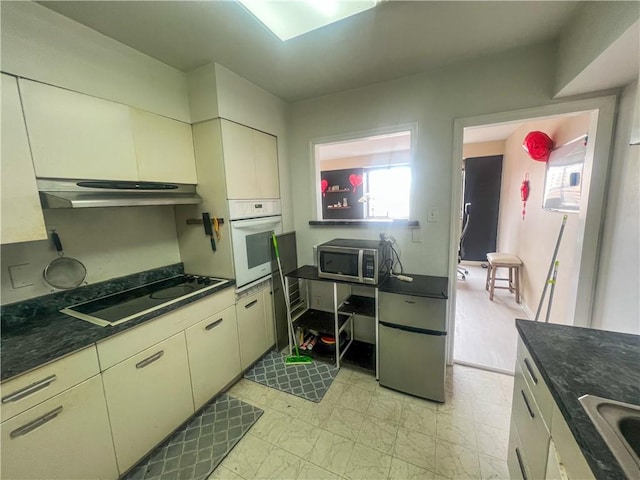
[[412, 336]]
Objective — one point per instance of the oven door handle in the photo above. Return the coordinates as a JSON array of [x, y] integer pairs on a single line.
[[249, 224]]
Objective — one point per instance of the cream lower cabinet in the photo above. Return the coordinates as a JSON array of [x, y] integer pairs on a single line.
[[214, 358], [536, 425], [252, 332], [66, 437], [148, 396], [269, 322]]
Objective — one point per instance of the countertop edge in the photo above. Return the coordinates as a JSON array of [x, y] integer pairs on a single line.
[[120, 329], [573, 425]]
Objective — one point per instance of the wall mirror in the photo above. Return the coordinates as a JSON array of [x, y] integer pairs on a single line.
[[365, 177]]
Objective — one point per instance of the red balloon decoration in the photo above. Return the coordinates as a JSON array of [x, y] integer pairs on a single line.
[[355, 181], [324, 184], [538, 145]]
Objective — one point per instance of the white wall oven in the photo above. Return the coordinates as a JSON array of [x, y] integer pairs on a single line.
[[252, 224]]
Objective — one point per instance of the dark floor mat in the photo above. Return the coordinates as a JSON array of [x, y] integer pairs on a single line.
[[194, 451], [310, 381]]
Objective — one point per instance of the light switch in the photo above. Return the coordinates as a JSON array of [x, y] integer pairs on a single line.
[[19, 275], [434, 214]]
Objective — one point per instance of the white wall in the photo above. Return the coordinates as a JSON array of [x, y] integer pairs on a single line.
[[534, 238], [617, 299], [594, 28], [40, 44], [508, 81], [45, 46], [111, 242]]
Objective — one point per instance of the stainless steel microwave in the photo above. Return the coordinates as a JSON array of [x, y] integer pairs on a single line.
[[350, 260]]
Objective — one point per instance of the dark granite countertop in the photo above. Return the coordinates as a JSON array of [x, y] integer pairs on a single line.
[[576, 361], [34, 332], [422, 285]]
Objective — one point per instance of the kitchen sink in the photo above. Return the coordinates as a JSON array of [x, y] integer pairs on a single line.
[[619, 425]]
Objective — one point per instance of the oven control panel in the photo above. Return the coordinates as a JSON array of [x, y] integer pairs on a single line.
[[239, 209]]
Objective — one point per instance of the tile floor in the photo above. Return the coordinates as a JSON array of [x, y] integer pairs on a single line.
[[363, 431]]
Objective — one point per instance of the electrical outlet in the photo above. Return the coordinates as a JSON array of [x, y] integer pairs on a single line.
[[434, 214], [19, 275], [317, 302]]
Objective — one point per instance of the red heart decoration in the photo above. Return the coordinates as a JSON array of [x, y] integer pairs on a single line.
[[324, 184], [355, 181]]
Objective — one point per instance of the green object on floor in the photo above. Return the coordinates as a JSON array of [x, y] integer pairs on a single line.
[[296, 359]]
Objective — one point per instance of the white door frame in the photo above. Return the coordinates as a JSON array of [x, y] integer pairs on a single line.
[[590, 221]]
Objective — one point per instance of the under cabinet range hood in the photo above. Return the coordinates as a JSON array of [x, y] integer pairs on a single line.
[[56, 193]]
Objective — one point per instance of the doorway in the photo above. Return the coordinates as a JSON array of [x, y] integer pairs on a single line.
[[472, 316]]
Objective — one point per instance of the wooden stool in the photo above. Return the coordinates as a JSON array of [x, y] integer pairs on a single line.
[[503, 260]]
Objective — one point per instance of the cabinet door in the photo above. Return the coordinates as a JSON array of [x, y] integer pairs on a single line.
[[269, 324], [265, 152], [164, 148], [239, 162], [148, 395], [77, 136], [65, 437], [22, 219], [214, 354], [251, 329]]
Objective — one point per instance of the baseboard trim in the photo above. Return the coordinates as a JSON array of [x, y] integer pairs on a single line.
[[483, 367]]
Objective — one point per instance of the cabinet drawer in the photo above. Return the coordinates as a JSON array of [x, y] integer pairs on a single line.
[[252, 333], [516, 459], [36, 386], [214, 355], [531, 428], [66, 437], [539, 390], [420, 312], [148, 396], [120, 347]]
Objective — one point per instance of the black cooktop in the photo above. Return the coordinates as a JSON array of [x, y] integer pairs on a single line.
[[129, 304]]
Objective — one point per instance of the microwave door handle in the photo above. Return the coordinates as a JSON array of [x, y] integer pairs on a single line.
[[360, 265]]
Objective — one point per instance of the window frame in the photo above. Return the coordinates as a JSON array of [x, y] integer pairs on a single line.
[[315, 143]]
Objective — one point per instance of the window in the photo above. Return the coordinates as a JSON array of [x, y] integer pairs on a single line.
[[387, 192], [365, 178]]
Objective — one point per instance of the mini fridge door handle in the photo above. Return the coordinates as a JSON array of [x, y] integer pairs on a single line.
[[405, 328]]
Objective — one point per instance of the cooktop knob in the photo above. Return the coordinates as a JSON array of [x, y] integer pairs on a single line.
[[200, 280]]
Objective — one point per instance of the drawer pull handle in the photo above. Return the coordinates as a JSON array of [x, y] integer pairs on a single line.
[[526, 402], [38, 422], [213, 324], [251, 304], [150, 360], [29, 389], [533, 375], [521, 464], [409, 301]]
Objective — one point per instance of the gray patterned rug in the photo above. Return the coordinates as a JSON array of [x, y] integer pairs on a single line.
[[310, 381], [194, 451]]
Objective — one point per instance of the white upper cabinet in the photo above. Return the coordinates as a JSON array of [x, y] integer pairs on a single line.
[[77, 136], [164, 148], [250, 161], [265, 153], [22, 218]]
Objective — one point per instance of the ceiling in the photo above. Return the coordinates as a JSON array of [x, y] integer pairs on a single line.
[[395, 39]]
